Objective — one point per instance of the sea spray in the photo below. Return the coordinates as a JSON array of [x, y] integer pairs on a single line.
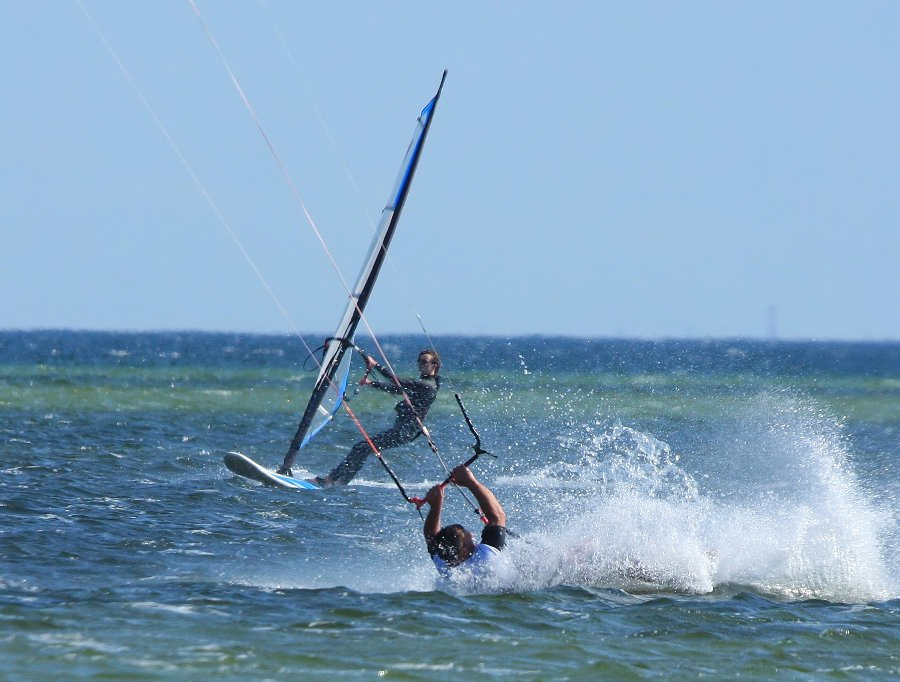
[[622, 514], [802, 525], [786, 515]]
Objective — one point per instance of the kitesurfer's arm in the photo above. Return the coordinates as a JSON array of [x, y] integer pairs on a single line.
[[435, 500], [488, 503]]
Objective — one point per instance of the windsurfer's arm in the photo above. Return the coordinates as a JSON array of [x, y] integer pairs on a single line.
[[435, 500], [488, 503], [390, 386]]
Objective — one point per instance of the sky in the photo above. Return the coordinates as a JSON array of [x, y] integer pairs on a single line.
[[594, 169]]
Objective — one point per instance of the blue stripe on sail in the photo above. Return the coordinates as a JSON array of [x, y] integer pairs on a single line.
[[407, 173]]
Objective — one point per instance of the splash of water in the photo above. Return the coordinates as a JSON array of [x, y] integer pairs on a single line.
[[804, 525], [786, 514]]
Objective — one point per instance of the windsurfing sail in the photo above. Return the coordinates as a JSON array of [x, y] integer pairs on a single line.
[[331, 383]]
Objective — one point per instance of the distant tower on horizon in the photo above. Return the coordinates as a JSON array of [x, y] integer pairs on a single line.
[[772, 326]]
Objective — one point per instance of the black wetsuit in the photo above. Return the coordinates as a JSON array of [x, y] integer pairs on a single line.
[[421, 393]]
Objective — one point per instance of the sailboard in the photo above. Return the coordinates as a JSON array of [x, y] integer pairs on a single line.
[[329, 390], [246, 467]]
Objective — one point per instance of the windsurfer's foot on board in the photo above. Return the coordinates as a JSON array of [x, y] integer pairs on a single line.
[[325, 482]]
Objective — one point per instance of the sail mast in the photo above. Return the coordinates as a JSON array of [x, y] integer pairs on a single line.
[[336, 347]]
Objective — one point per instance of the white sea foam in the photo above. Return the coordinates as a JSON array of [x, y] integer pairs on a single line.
[[787, 515]]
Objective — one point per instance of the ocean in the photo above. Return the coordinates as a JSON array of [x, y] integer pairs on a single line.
[[682, 509]]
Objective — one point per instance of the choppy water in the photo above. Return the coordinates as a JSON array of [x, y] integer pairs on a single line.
[[685, 509]]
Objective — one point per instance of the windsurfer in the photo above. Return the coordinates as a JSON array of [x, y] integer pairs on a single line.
[[418, 396], [453, 546]]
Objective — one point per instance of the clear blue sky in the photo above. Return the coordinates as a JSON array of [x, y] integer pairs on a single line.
[[640, 169]]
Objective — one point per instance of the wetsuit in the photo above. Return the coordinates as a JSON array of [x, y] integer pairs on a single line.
[[421, 393]]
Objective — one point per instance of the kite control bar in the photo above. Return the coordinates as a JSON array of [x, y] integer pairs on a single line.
[[477, 446], [418, 501]]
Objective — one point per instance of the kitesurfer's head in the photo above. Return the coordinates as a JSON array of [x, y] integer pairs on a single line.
[[454, 544], [429, 362]]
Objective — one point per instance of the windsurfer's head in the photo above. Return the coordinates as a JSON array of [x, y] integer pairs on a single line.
[[454, 544], [429, 361]]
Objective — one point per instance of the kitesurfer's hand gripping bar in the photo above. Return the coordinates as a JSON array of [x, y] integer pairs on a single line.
[[419, 501]]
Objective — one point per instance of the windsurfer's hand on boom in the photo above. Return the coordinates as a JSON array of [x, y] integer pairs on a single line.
[[371, 363]]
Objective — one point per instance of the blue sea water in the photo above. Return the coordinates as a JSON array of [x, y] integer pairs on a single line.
[[684, 509]]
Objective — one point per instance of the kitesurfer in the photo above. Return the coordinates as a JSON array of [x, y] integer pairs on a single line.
[[454, 547], [411, 411]]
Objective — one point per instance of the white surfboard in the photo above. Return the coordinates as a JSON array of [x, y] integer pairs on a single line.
[[246, 467]]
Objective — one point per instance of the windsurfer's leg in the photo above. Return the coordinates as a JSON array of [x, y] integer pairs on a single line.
[[343, 473]]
